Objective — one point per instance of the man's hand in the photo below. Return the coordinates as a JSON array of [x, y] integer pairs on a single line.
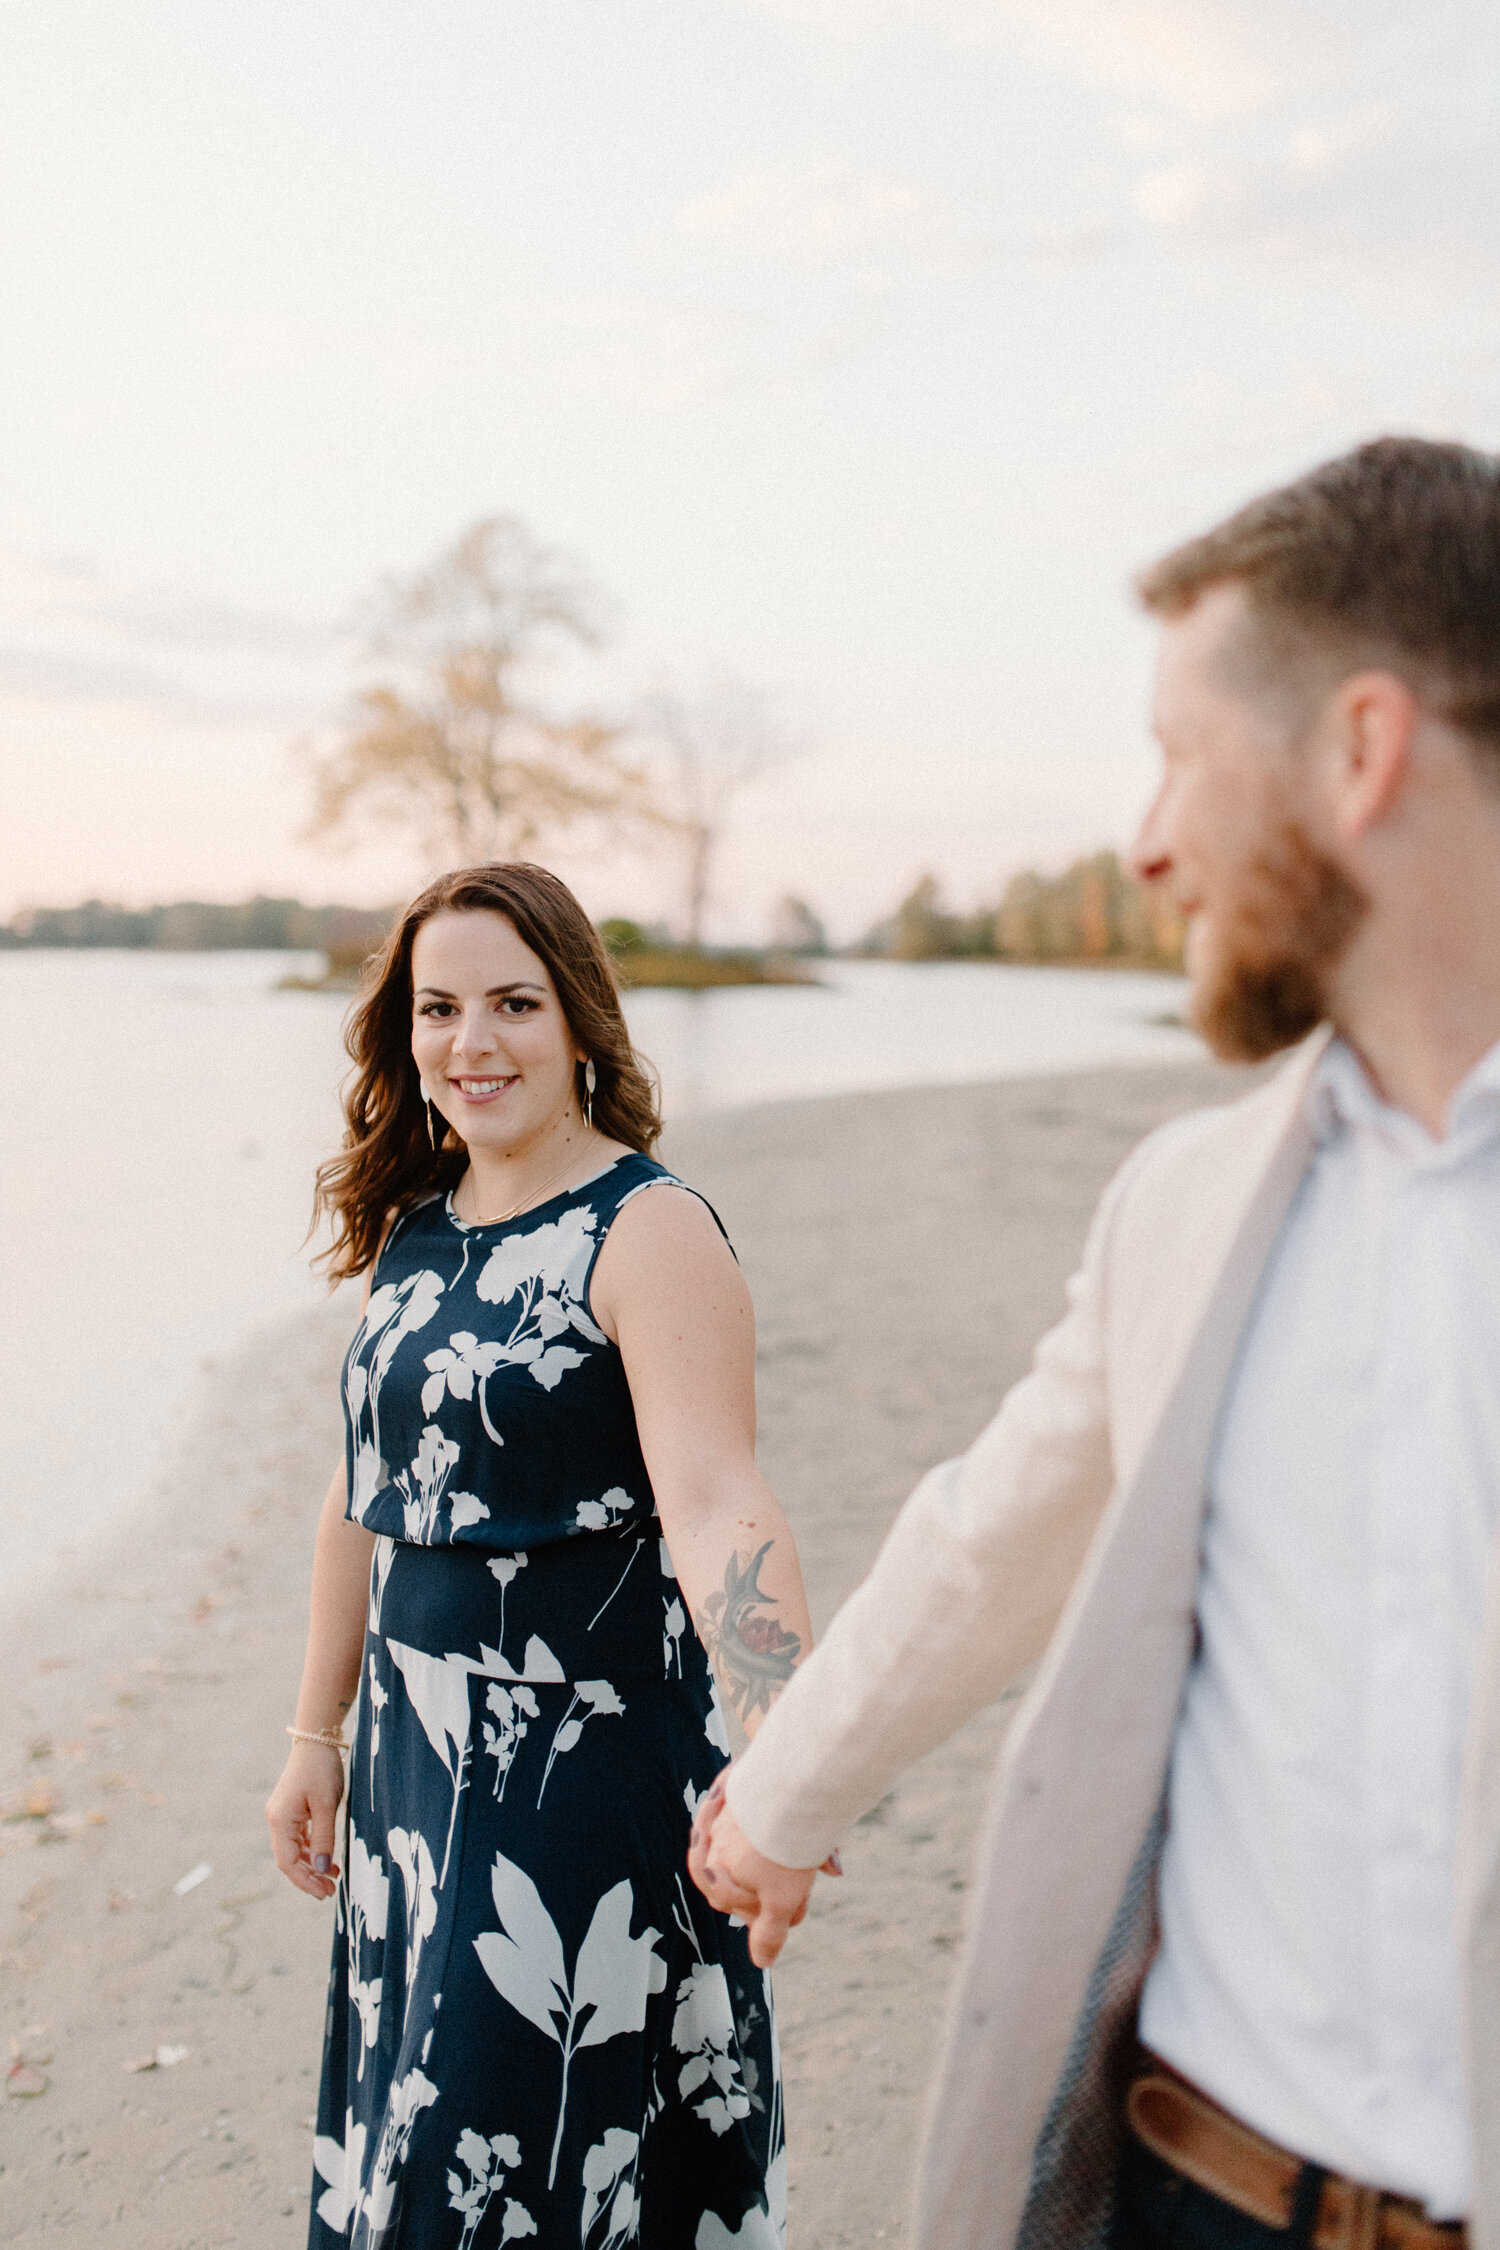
[[737, 1879]]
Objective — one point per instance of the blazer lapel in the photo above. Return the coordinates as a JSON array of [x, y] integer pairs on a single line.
[[1186, 1261]]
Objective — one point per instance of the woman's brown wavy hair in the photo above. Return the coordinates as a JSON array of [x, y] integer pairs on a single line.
[[387, 1164]]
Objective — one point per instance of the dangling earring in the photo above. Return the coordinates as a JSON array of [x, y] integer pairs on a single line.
[[437, 1126], [590, 1080]]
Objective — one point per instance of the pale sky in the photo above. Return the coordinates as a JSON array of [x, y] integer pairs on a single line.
[[860, 347]]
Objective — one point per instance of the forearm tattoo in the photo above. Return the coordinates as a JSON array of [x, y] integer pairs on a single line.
[[747, 1644]]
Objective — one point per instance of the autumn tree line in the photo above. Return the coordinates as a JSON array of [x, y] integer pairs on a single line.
[[187, 925], [1095, 911]]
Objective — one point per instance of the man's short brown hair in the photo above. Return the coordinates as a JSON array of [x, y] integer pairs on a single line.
[[1388, 556]]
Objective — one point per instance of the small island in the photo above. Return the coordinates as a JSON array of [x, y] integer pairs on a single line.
[[650, 958], [643, 960]]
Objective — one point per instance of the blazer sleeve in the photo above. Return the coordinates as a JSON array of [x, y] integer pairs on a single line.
[[963, 1596]]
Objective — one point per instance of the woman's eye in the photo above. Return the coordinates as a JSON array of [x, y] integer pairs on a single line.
[[434, 1008], [518, 1005]]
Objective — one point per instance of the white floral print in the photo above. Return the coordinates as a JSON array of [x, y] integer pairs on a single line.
[[619, 1582], [600, 1702], [396, 1310], [605, 1512], [368, 1890], [504, 1568], [611, 2207], [341, 2164], [380, 1571], [408, 2097], [673, 1627], [512, 1709], [455, 1367], [439, 1690], [704, 2030], [435, 1461], [539, 1276], [487, 2163], [613, 1975], [411, 1853], [763, 2226]]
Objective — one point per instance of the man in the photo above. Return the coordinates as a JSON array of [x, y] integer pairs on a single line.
[[1233, 1979]]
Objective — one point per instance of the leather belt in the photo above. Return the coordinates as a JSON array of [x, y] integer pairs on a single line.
[[1182, 2125]]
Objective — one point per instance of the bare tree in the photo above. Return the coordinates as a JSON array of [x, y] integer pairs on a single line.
[[455, 745], [715, 745]]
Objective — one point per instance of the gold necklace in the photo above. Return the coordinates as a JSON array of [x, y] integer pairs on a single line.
[[540, 1195]]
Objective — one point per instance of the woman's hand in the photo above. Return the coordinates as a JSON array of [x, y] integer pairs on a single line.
[[302, 1808], [737, 1879], [302, 1812]]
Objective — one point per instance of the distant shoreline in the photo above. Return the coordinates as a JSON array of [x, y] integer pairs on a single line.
[[1097, 914]]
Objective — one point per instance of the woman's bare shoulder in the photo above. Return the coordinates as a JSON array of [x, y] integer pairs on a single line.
[[664, 1236]]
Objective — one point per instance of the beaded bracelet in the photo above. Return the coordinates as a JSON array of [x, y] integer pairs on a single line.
[[328, 1740]]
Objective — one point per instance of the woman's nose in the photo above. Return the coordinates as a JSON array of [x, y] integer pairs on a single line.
[[475, 1034]]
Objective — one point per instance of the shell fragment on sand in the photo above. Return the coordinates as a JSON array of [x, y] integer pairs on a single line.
[[161, 2058], [24, 2077]]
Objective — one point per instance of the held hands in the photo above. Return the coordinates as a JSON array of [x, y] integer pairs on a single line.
[[736, 1878], [301, 1814]]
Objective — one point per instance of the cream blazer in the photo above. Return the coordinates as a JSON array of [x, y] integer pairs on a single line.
[[1067, 1536]]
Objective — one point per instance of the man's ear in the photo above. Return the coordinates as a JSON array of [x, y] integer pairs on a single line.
[[1366, 746]]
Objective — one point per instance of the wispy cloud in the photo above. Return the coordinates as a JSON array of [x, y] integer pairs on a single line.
[[654, 353], [49, 676], [49, 589], [1383, 192], [1350, 138], [872, 232], [1207, 58], [819, 214], [70, 634]]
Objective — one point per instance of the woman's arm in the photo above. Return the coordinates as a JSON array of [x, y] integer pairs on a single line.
[[667, 1290], [303, 1807]]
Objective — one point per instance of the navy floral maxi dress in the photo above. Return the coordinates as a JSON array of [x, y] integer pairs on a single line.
[[536, 2028]]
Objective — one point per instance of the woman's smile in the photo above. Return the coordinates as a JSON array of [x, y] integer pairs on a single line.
[[471, 1089]]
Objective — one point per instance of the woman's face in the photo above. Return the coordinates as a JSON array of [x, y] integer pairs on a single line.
[[488, 1032]]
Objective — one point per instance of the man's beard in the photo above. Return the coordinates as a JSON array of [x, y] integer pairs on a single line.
[[1282, 938]]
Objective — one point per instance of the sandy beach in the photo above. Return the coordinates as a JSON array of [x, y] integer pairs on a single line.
[[905, 1249]]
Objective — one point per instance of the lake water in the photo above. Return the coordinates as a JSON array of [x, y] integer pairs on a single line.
[[161, 1116]]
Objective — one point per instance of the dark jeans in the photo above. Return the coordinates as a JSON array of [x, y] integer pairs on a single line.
[[1157, 2209]]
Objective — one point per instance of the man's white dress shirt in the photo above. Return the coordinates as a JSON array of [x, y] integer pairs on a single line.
[[1308, 1972]]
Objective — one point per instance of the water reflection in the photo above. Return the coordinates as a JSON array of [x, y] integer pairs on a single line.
[[868, 1024]]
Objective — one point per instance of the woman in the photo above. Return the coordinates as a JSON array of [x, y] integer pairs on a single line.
[[536, 2027]]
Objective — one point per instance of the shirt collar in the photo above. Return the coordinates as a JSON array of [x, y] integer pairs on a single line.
[[1341, 1094]]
